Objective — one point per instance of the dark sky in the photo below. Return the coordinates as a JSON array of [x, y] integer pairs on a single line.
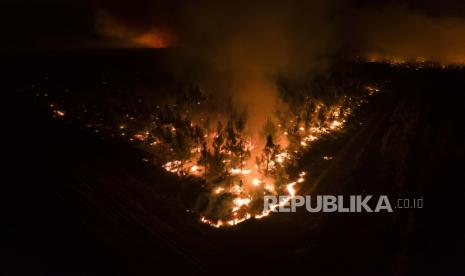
[[31, 24], [27, 24]]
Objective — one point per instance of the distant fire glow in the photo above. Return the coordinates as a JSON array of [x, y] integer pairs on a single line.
[[152, 38]]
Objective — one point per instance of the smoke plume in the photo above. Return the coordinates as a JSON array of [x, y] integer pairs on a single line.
[[237, 49]]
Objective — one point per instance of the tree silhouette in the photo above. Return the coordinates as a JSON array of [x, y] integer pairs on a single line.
[[216, 163]]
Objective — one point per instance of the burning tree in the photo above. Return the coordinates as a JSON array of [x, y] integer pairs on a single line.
[[268, 132], [204, 159], [216, 159], [236, 142]]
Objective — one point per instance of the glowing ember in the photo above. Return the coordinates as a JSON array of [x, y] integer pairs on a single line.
[[240, 202], [235, 171], [59, 113], [246, 171], [140, 137], [256, 182], [173, 166], [281, 157], [335, 124]]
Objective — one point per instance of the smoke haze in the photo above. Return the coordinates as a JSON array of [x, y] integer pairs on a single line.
[[397, 34], [237, 49]]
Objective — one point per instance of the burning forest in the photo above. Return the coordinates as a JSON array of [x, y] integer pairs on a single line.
[[238, 163]]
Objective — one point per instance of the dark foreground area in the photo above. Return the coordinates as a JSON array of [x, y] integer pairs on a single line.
[[75, 202]]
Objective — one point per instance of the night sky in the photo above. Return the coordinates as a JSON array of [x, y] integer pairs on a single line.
[[29, 24]]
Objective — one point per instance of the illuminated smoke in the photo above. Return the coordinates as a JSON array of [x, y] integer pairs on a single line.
[[238, 49], [125, 36], [242, 44], [396, 34]]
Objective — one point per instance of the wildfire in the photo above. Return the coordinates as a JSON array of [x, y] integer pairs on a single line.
[[244, 178], [281, 157], [291, 191], [238, 172], [335, 124], [235, 171], [290, 188], [173, 166], [239, 202]]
